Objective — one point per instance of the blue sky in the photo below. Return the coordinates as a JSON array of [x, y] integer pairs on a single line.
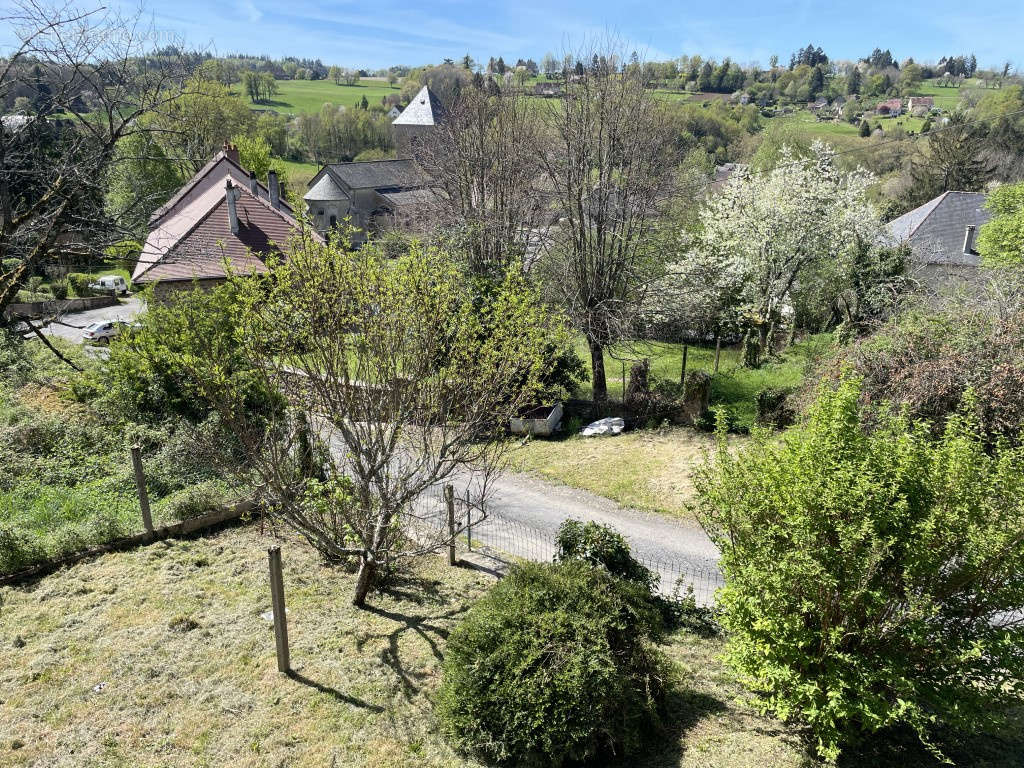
[[379, 33]]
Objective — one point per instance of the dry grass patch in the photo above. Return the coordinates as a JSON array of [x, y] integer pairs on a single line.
[[646, 469], [160, 657]]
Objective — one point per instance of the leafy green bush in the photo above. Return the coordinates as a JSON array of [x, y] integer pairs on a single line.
[[773, 409], [79, 282], [601, 545], [557, 663], [9, 265], [873, 576], [59, 289]]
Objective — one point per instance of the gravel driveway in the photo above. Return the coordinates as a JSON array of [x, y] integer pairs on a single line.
[[70, 326]]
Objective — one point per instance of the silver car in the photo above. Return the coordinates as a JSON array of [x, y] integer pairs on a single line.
[[102, 332]]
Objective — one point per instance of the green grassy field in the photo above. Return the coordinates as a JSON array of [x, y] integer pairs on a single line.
[[299, 175], [160, 656], [945, 98], [733, 387], [308, 96]]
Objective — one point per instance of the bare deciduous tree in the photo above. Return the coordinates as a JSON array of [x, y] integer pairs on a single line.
[[93, 76], [610, 163], [398, 368], [483, 160]]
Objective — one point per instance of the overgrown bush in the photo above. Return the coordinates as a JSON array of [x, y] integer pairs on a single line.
[[928, 359], [873, 576], [604, 546], [79, 282], [773, 408], [556, 663], [59, 289]]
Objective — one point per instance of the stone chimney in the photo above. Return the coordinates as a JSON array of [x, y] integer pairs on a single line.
[[231, 195], [275, 190], [969, 239], [253, 184], [231, 151]]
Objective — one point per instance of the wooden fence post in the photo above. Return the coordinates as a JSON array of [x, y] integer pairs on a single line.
[[469, 523], [140, 485], [682, 373], [449, 500], [718, 348], [278, 609]]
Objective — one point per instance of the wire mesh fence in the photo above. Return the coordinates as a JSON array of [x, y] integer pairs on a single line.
[[505, 540]]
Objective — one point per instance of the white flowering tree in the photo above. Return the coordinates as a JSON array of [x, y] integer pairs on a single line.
[[777, 231]]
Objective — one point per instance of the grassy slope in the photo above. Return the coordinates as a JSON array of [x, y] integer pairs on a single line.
[[734, 386], [652, 469], [174, 635], [211, 696], [308, 96]]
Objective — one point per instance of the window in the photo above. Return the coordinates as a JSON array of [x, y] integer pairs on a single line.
[[334, 220]]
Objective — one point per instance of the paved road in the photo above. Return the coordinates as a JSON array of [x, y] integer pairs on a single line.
[[70, 325], [543, 506]]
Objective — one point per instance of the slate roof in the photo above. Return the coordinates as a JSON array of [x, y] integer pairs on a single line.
[[936, 230], [377, 174], [424, 109], [325, 189], [402, 198], [200, 251]]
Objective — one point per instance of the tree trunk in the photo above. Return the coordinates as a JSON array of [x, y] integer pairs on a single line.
[[600, 389], [364, 581]]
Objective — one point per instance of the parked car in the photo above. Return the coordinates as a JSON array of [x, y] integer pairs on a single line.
[[111, 283], [103, 332]]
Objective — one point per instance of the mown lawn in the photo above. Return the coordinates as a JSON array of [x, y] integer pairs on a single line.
[[160, 657], [649, 469], [308, 96]]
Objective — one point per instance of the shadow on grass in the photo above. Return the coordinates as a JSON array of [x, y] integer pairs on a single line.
[[684, 710], [429, 628], [338, 695], [900, 748]]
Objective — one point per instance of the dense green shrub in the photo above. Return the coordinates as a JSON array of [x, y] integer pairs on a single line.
[[79, 282], [557, 663], [773, 408], [9, 265], [59, 289], [873, 576], [602, 545]]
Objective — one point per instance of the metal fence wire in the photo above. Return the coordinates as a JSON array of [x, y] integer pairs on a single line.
[[505, 540]]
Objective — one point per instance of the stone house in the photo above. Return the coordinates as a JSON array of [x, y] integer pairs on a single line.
[[941, 236], [379, 193]]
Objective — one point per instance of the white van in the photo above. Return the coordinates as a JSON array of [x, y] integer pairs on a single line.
[[112, 283]]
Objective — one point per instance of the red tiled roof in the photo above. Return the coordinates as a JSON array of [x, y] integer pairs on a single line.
[[241, 178], [204, 250]]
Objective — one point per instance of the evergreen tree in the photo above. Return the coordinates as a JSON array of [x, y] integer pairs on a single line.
[[865, 129], [853, 81]]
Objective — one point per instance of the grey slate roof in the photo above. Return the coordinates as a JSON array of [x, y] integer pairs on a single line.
[[409, 197], [424, 109], [935, 231], [325, 189], [376, 174]]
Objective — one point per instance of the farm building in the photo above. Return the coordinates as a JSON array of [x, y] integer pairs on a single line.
[[379, 192]]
